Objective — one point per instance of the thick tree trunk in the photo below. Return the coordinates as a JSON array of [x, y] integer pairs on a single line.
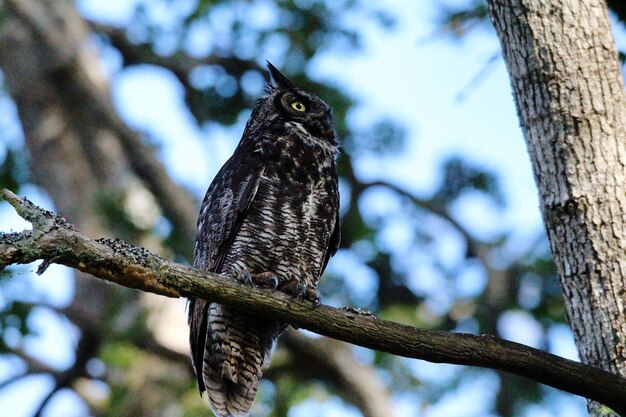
[[571, 102], [74, 155]]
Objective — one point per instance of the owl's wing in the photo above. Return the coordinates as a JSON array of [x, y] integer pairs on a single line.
[[224, 207], [335, 237], [222, 212]]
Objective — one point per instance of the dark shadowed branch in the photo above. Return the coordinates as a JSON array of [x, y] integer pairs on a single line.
[[54, 240], [180, 64], [331, 360]]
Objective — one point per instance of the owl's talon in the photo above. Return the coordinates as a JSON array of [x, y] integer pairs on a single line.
[[265, 280], [311, 294], [245, 277], [292, 287], [297, 289]]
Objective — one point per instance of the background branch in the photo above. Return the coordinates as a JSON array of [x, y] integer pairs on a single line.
[[96, 109], [54, 240], [333, 360]]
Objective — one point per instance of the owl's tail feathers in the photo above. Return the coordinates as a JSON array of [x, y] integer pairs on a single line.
[[230, 399], [229, 371]]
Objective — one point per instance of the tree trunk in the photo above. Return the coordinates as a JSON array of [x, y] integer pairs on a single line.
[[571, 102], [74, 157], [55, 130]]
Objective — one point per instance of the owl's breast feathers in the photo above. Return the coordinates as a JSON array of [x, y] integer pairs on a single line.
[[282, 186], [292, 224]]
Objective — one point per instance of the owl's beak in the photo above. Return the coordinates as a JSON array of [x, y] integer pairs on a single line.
[[278, 77]]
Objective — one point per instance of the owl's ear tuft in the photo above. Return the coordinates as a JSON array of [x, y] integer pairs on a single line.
[[278, 77]]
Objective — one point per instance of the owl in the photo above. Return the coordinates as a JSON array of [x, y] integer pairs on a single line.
[[269, 218]]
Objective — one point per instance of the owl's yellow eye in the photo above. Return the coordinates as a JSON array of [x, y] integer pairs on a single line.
[[298, 106]]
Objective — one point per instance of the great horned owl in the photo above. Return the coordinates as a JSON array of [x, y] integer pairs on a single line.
[[269, 217]]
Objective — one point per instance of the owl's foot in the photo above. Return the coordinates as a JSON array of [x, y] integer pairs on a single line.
[[295, 287], [263, 279], [311, 294]]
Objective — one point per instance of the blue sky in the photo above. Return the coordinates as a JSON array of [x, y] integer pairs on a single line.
[[409, 75]]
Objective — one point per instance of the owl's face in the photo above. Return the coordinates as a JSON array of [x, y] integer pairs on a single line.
[[300, 109]]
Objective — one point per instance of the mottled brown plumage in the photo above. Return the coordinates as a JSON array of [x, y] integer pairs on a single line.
[[271, 209]]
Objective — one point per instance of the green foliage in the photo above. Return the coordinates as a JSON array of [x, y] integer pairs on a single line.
[[111, 210], [355, 226], [14, 170], [120, 355], [460, 176], [459, 21], [14, 316]]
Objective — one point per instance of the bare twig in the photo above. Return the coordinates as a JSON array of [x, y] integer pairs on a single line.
[[35, 366], [428, 206], [57, 241], [14, 379], [46, 400]]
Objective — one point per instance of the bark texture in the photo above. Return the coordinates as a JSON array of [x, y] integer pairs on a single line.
[[571, 102]]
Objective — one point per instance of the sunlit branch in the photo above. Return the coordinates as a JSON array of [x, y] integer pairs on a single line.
[[180, 65], [54, 240], [475, 247]]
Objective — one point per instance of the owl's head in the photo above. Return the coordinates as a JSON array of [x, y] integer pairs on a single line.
[[301, 108]]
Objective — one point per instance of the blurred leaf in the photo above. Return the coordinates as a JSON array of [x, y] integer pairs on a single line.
[[381, 138], [619, 8], [459, 176], [111, 208], [14, 316], [354, 227], [119, 355], [457, 22], [14, 170]]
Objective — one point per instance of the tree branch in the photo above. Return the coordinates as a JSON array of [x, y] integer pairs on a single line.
[[179, 64], [44, 402], [54, 240], [474, 246], [13, 379]]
